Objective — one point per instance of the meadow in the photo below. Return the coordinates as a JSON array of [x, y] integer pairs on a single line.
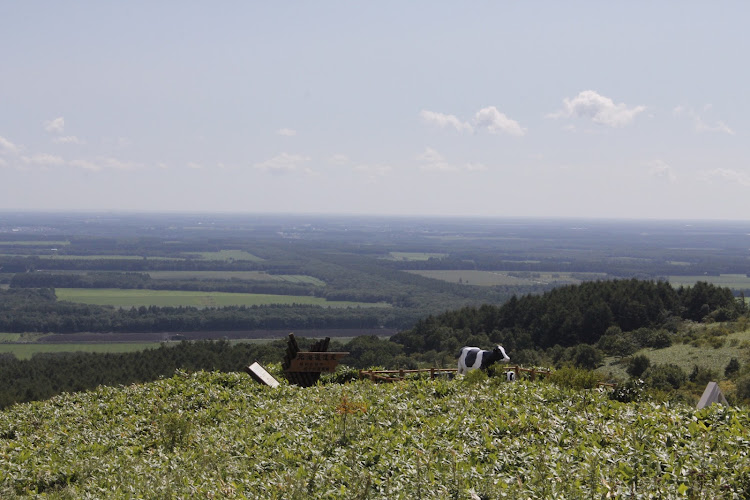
[[27, 350], [234, 275], [127, 298], [208, 435], [732, 281], [226, 255], [415, 255], [504, 278]]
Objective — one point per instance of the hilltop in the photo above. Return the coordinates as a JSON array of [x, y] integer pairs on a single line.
[[211, 434]]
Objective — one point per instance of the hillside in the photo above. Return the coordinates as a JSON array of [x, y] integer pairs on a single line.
[[211, 434]]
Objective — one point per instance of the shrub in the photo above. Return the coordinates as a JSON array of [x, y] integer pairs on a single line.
[[575, 378], [702, 375], [630, 391], [637, 365], [732, 368], [665, 377]]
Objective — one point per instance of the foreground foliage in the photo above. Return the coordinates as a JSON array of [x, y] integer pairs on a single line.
[[221, 435]]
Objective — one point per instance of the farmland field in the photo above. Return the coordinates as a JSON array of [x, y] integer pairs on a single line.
[[26, 350], [239, 275], [171, 298], [733, 281], [37, 243], [415, 255], [228, 255], [101, 257], [503, 278]]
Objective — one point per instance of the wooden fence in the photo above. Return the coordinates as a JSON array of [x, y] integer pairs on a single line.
[[396, 375]]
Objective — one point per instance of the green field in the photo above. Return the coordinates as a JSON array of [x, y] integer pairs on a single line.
[[171, 298], [221, 435], [9, 337], [25, 351], [733, 281], [228, 255], [505, 278], [416, 255], [35, 243], [687, 356], [239, 275], [101, 257]]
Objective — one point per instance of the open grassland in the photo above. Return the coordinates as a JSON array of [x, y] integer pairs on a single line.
[[104, 257], [208, 435], [238, 275], [127, 298], [225, 255], [27, 350], [687, 356], [733, 281], [45, 244], [9, 337], [505, 278], [415, 255]]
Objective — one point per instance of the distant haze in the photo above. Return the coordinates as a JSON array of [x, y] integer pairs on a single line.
[[564, 109]]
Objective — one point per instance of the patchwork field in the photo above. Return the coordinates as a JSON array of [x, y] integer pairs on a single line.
[[733, 281], [504, 278], [228, 255], [128, 298], [25, 351], [416, 255], [239, 275]]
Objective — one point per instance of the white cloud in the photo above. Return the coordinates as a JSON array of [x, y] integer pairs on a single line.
[[496, 122], [43, 160], [661, 170], [443, 120], [601, 109], [432, 161], [489, 119], [374, 170], [8, 147], [338, 159], [104, 163], [288, 132], [194, 165], [698, 122], [282, 163], [729, 175], [67, 139], [56, 126]]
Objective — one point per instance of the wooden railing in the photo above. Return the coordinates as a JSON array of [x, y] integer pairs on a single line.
[[396, 375]]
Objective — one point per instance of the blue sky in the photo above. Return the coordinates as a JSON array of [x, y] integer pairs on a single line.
[[562, 109]]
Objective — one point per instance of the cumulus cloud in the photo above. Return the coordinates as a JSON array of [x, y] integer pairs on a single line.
[[661, 170], [338, 159], [8, 147], [442, 120], [729, 175], [600, 109], [283, 163], [287, 132], [698, 122], [495, 122], [488, 119], [43, 160], [104, 163], [67, 139], [432, 161], [56, 126]]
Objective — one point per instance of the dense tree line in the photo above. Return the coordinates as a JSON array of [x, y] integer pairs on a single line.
[[45, 375], [572, 315]]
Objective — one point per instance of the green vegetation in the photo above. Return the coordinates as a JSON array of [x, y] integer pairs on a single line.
[[26, 351], [35, 243], [170, 298], [731, 281], [415, 255], [229, 255], [206, 434], [509, 278], [234, 275]]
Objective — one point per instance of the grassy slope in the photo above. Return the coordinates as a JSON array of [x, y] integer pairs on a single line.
[[222, 435], [686, 356]]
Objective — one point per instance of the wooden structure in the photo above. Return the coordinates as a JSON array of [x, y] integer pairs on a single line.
[[396, 375], [304, 368]]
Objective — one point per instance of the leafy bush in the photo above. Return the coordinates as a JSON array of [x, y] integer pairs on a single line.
[[665, 377], [630, 391], [732, 368], [575, 378], [637, 365]]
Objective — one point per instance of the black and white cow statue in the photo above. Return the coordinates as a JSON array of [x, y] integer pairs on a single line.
[[473, 358]]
